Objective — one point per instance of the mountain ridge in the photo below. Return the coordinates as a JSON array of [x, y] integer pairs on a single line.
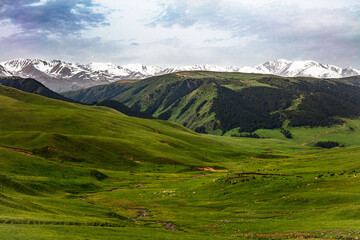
[[30, 85], [62, 76], [216, 103]]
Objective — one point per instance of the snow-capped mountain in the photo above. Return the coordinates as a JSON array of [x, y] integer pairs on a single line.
[[62, 76], [109, 68], [308, 68], [143, 70]]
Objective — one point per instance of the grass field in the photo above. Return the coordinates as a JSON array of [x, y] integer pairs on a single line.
[[69, 171]]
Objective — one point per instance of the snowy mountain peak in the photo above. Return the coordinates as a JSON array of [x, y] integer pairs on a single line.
[[273, 67], [99, 66], [142, 69], [307, 68], [203, 67], [109, 68], [134, 67], [349, 71], [16, 64]]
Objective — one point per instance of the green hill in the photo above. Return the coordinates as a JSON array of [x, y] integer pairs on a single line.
[[70, 171], [75, 132], [123, 109], [32, 86], [217, 103]]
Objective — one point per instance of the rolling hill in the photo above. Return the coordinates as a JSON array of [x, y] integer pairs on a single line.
[[212, 102], [56, 122], [32, 86], [89, 172]]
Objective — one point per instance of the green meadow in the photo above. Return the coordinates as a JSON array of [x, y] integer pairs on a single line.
[[69, 171]]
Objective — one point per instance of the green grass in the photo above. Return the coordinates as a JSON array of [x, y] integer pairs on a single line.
[[262, 188], [189, 110]]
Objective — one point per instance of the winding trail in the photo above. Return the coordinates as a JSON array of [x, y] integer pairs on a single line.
[[22, 151], [322, 134]]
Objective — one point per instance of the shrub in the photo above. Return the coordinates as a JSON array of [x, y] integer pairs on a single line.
[[287, 133], [328, 144], [98, 175], [248, 135]]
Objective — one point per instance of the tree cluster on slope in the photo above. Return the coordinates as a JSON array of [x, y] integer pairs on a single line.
[[287, 133], [328, 144], [250, 108]]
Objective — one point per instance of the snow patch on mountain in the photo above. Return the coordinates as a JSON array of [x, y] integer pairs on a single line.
[[142, 69], [247, 69], [109, 68], [4, 72]]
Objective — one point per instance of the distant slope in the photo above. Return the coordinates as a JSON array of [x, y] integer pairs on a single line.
[[97, 93], [32, 86], [215, 102], [123, 109]]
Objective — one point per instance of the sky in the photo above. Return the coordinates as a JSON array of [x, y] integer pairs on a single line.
[[181, 32]]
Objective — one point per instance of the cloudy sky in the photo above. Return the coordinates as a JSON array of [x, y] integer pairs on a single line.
[[181, 32]]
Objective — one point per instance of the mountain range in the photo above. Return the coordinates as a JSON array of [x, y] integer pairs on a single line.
[[62, 76]]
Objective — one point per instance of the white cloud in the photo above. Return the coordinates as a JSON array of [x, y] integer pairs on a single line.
[[39, 3]]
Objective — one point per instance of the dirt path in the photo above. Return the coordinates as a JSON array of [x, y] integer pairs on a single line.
[[167, 225], [322, 134], [23, 151], [143, 213], [210, 169]]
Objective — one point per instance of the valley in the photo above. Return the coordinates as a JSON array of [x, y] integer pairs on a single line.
[[179, 120], [90, 172]]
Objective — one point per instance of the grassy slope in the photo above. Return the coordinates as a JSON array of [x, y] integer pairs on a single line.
[[71, 126], [178, 97], [52, 193], [32, 86]]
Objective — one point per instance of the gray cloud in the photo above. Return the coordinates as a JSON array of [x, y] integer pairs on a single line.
[[286, 31], [52, 16], [52, 28], [68, 48], [224, 32]]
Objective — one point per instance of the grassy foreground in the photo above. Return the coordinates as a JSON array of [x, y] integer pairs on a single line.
[[69, 171]]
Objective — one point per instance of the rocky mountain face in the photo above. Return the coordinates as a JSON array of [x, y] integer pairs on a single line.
[[62, 76]]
